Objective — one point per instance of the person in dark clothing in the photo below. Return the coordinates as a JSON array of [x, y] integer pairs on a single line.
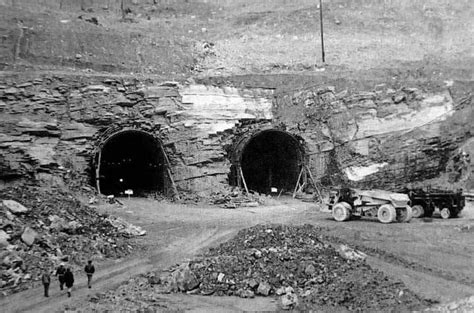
[[69, 281], [46, 280], [61, 270], [89, 269]]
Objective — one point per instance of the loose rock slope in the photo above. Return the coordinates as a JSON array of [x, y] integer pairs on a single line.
[[39, 228]]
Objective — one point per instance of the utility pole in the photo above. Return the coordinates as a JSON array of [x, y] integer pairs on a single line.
[[321, 29]]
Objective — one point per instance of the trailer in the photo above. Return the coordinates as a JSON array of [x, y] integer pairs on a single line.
[[425, 202]]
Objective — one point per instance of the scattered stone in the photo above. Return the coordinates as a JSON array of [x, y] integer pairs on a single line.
[[54, 227], [4, 237], [125, 227], [282, 290], [253, 283], [399, 98], [29, 235], [245, 293], [15, 207], [220, 277], [310, 270], [183, 279], [350, 254], [289, 301], [154, 279], [264, 289]]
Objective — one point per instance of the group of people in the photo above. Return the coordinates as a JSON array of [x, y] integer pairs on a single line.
[[66, 277]]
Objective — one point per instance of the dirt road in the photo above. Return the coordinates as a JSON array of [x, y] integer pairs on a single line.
[[435, 258]]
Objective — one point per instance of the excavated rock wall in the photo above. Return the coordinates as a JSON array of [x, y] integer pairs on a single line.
[[51, 128], [383, 138]]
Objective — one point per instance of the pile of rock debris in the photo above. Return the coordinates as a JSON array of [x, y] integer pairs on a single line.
[[235, 197], [293, 263], [40, 228]]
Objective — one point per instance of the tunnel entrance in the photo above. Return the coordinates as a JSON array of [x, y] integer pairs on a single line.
[[131, 160], [269, 159]]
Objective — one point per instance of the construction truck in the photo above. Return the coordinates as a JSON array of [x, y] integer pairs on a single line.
[[425, 202], [387, 207]]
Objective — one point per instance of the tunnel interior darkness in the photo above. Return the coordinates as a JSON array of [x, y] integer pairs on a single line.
[[271, 159], [131, 160]]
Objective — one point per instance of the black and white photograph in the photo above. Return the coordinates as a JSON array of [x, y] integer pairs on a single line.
[[236, 156]]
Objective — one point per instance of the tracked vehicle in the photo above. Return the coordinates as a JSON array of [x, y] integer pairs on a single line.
[[387, 207]]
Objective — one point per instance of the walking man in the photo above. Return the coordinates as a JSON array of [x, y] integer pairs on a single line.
[[69, 281], [60, 273], [89, 269], [46, 279]]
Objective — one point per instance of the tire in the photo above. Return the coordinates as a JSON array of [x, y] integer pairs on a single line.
[[417, 211], [445, 213], [404, 215], [341, 211], [386, 213]]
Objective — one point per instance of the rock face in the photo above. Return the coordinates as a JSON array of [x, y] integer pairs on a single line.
[[54, 125]]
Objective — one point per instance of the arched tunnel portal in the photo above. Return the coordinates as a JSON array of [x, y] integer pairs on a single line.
[[268, 159], [130, 159]]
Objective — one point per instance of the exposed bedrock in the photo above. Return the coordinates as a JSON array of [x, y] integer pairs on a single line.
[[98, 131]]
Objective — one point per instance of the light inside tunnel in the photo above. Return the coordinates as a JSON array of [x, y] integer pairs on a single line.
[[271, 159], [131, 160]]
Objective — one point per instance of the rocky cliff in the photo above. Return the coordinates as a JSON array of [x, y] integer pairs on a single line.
[[53, 126]]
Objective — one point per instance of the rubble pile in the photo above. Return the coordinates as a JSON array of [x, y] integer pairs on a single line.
[[292, 263], [296, 264], [41, 227], [232, 199]]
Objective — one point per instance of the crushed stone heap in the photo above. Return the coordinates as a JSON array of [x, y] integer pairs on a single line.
[[296, 264], [42, 227], [266, 260]]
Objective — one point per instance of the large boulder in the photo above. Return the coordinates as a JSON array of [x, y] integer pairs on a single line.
[[14, 206], [350, 254], [57, 222], [29, 236], [183, 279], [264, 289], [4, 237], [288, 301]]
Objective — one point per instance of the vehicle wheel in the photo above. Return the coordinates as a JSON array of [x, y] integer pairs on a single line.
[[404, 215], [386, 213], [341, 211], [417, 211], [445, 213]]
